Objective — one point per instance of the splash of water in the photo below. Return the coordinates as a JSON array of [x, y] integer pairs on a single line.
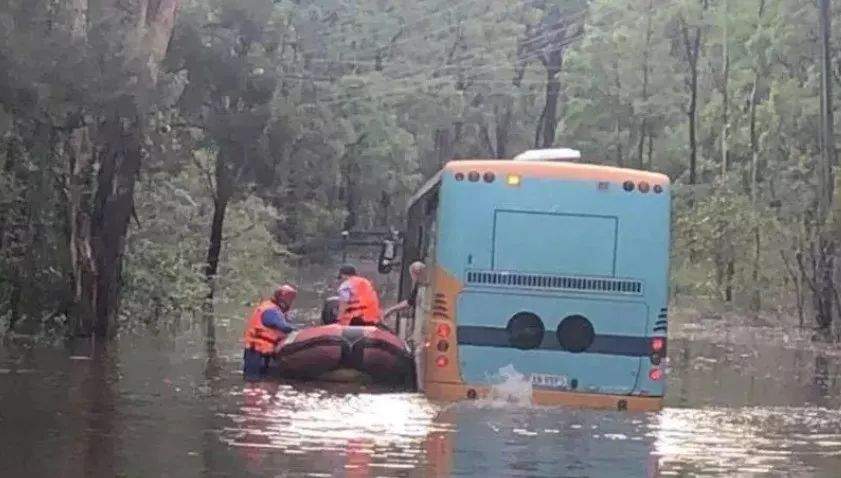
[[510, 387]]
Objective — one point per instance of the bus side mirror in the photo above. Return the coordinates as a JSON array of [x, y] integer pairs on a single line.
[[387, 256]]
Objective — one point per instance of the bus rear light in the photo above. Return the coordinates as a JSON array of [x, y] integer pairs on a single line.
[[658, 189], [442, 361], [459, 176], [655, 374], [443, 346], [513, 180], [473, 176], [489, 177], [628, 186], [644, 187], [658, 344], [658, 350], [443, 330]]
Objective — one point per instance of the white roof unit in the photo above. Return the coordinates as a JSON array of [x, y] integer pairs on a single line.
[[556, 154]]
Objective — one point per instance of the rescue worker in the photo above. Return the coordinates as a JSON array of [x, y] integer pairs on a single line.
[[416, 272], [266, 328], [358, 300]]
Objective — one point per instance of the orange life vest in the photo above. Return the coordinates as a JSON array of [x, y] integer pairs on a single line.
[[363, 304], [259, 337]]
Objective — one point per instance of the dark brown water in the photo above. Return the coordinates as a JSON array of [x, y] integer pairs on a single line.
[[163, 408]]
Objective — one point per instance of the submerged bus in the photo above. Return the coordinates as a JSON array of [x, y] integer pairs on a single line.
[[556, 268]]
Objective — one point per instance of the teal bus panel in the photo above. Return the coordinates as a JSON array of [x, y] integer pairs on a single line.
[[573, 243], [557, 248]]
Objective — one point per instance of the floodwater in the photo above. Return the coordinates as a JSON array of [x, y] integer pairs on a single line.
[[167, 408]]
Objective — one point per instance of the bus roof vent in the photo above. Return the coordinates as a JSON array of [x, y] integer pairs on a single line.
[[556, 154]]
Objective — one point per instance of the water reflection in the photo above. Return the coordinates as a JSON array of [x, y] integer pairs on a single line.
[[758, 440], [175, 408], [353, 432]]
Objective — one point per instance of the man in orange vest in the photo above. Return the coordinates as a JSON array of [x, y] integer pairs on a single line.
[[358, 300], [265, 329]]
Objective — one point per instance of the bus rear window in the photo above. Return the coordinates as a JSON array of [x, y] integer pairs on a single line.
[[554, 243]]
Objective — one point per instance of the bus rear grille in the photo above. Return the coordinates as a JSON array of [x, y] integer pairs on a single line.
[[540, 281]]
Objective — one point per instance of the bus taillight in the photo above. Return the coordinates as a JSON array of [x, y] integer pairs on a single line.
[[655, 374], [658, 344], [658, 349], [443, 330], [442, 361]]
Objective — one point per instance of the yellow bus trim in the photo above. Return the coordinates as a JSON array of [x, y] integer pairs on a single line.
[[451, 392]]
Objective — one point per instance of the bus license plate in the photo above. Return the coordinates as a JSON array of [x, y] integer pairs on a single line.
[[548, 381]]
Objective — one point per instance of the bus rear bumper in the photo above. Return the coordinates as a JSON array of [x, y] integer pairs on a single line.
[[450, 392]]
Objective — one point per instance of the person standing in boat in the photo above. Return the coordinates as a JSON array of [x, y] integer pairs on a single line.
[[417, 271], [265, 329], [359, 303]]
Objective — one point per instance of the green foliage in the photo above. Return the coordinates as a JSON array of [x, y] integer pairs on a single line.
[[716, 232], [253, 262], [164, 275], [305, 118], [165, 285]]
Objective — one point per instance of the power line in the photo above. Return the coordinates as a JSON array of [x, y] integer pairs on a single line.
[[469, 70], [341, 98], [425, 34], [422, 20]]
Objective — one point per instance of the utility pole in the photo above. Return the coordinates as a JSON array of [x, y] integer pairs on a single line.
[[725, 53], [824, 293], [827, 135]]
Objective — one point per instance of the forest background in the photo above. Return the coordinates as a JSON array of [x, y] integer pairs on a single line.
[[164, 160]]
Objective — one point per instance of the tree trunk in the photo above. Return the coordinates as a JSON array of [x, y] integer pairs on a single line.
[[443, 151], [81, 159], [15, 297], [351, 202], [693, 146], [828, 139], [220, 206], [503, 127], [725, 126], [756, 300], [645, 53], [550, 118], [384, 210], [351, 175], [539, 128], [225, 178], [729, 275], [692, 45], [100, 242], [98, 229], [618, 133], [824, 293], [78, 10], [641, 145], [214, 249]]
